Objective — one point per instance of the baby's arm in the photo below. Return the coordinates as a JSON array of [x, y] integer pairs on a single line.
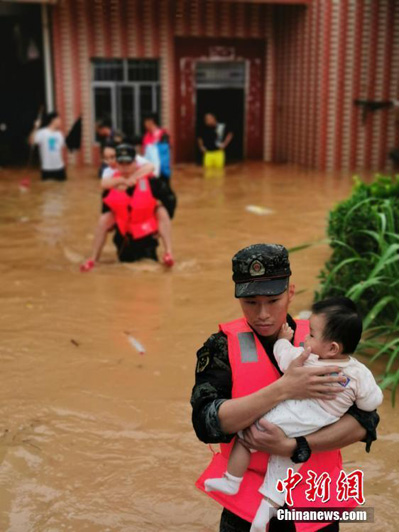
[[285, 332], [108, 183], [142, 171], [284, 351], [369, 395]]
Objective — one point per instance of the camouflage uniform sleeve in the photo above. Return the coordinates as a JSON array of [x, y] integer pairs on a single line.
[[369, 421], [213, 384]]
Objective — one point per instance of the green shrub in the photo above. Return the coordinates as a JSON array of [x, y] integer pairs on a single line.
[[364, 265]]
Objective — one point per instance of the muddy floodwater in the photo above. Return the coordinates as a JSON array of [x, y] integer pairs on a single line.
[[95, 436]]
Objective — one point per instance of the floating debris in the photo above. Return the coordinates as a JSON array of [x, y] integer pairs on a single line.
[[135, 343], [74, 342], [256, 209]]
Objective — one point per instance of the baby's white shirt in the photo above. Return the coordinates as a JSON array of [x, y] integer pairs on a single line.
[[360, 387]]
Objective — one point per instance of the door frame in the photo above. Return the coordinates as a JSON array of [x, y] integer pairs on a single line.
[[216, 87], [189, 50]]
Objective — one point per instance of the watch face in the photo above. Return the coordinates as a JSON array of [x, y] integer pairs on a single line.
[[302, 452], [303, 455]]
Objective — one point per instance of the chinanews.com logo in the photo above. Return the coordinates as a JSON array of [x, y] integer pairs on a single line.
[[344, 515], [348, 489]]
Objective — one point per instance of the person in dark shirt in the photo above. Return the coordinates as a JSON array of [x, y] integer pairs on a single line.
[[214, 139], [107, 135], [217, 416]]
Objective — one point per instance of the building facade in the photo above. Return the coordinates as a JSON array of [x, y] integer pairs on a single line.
[[287, 73]]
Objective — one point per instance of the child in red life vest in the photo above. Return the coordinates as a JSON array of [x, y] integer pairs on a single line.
[[335, 330], [111, 179]]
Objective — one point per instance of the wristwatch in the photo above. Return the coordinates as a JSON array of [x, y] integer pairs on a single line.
[[302, 452]]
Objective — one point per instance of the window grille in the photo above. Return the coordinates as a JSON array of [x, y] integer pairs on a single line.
[[125, 91]]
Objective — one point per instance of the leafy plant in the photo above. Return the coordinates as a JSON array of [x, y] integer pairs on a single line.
[[364, 265]]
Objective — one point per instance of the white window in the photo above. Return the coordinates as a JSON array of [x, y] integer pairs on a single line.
[[125, 91]]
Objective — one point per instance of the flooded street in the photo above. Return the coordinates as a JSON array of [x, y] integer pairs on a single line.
[[95, 436]]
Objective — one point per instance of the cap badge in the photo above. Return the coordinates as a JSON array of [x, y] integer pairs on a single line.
[[256, 268]]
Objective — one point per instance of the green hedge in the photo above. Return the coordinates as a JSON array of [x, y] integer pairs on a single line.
[[364, 265]]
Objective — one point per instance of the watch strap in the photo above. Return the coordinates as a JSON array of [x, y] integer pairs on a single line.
[[302, 452]]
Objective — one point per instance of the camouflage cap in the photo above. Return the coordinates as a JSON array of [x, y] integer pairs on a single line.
[[261, 270]]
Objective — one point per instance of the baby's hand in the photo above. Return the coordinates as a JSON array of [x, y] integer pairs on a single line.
[[285, 332]]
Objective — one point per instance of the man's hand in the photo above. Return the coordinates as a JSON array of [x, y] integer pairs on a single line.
[[270, 439], [227, 141], [201, 145], [311, 382]]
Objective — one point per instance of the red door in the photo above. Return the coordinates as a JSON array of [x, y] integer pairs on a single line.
[[188, 52]]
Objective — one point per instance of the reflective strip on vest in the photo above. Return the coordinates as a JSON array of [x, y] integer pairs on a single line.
[[247, 347]]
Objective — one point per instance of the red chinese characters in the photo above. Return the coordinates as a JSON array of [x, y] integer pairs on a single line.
[[288, 484], [318, 486], [348, 486], [351, 486]]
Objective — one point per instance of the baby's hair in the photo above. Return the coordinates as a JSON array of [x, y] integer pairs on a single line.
[[343, 323]]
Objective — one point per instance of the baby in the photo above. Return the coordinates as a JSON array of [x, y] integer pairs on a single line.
[[335, 331]]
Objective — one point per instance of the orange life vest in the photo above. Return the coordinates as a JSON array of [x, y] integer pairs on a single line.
[[134, 215], [252, 370]]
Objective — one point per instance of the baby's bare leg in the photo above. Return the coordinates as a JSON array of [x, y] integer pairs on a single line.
[[231, 480], [239, 459]]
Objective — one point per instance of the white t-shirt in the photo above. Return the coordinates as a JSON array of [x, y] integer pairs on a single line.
[[109, 172], [360, 387], [50, 147]]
